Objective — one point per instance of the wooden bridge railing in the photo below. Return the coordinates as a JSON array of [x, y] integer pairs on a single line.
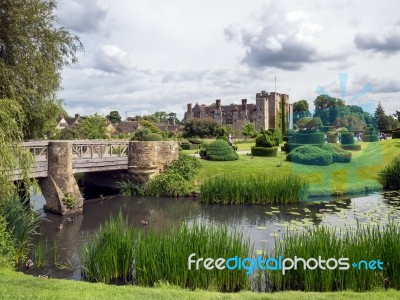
[[87, 156]]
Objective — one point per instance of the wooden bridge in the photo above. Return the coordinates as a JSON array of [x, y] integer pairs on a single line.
[[57, 161], [87, 156]]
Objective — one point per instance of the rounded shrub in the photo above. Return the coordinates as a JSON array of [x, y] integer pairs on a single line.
[[310, 155], [222, 137], [184, 141], [263, 151], [153, 137], [309, 137], [219, 150], [346, 138], [339, 155]]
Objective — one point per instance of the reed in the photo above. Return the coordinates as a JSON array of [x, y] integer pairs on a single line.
[[120, 252], [164, 257], [364, 243], [390, 175], [129, 188], [22, 223], [254, 190], [40, 253], [110, 255]]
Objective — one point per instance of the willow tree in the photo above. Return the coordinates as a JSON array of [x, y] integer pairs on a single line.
[[13, 156], [34, 53]]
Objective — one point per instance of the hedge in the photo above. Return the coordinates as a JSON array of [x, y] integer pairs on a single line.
[[351, 147], [262, 151], [339, 155], [310, 155], [346, 138], [264, 141], [396, 134], [190, 146], [195, 141], [309, 137], [370, 138]]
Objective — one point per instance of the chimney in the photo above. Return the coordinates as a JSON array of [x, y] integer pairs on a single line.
[[189, 107], [218, 103], [77, 116], [244, 104]]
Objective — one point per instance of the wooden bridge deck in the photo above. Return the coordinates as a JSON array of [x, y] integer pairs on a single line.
[[87, 156]]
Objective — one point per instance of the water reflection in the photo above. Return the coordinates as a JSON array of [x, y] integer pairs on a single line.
[[259, 223]]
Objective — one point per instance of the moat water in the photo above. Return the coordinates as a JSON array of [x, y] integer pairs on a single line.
[[259, 223]]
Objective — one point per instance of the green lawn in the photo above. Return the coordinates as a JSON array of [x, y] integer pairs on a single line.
[[14, 285], [359, 175]]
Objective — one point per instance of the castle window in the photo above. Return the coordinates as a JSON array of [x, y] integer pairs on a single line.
[[197, 115], [251, 120], [229, 121]]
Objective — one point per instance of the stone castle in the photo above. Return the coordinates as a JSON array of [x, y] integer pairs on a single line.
[[271, 111]]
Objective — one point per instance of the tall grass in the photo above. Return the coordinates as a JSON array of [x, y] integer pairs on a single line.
[[164, 257], [390, 175], [110, 255], [252, 189], [22, 223], [365, 243], [40, 253], [129, 188], [119, 251]]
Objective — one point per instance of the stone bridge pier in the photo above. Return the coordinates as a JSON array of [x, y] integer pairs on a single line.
[[59, 188]]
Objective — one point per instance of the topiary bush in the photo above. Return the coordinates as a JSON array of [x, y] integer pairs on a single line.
[[332, 136], [263, 140], [195, 141], [396, 134], [190, 146], [346, 138], [370, 135], [222, 137], [153, 137], [309, 137], [219, 150], [262, 151], [310, 155], [338, 154]]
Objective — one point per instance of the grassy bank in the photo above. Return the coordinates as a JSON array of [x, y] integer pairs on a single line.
[[14, 285], [360, 175]]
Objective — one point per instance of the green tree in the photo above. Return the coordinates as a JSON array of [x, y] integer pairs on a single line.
[[161, 116], [381, 119], [114, 117], [94, 127], [397, 115], [328, 108], [249, 130], [13, 156], [201, 128], [36, 50], [300, 110]]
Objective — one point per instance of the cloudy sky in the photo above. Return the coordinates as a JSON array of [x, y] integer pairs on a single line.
[[143, 56]]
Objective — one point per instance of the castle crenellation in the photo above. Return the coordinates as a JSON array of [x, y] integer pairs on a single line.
[[271, 110]]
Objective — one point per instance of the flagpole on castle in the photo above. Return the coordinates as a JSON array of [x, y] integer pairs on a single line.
[[275, 84]]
